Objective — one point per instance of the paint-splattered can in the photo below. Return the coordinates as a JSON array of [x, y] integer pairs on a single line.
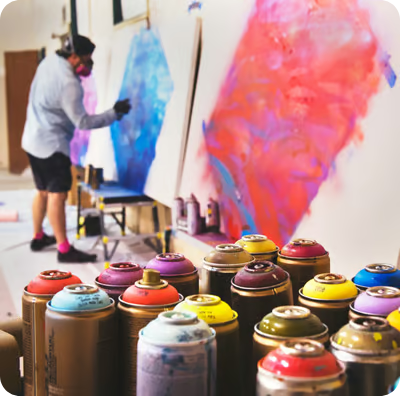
[[369, 348], [118, 277], [139, 305], [303, 259], [80, 342], [223, 319], [260, 247], [36, 295], [329, 297], [220, 266], [377, 275], [282, 324], [178, 271], [301, 367], [256, 290], [176, 356], [376, 301]]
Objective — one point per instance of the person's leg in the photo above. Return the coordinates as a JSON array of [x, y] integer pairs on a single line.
[[60, 181], [56, 215], [39, 208], [40, 239]]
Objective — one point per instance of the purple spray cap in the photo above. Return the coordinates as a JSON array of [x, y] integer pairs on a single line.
[[171, 264]]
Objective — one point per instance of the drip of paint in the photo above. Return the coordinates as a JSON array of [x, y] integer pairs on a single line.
[[300, 82]]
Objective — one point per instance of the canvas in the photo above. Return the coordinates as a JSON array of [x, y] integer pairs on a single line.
[[80, 142], [149, 142], [303, 96]]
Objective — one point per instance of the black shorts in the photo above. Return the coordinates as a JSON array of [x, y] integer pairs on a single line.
[[52, 174]]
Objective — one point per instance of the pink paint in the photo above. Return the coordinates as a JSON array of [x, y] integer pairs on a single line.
[[80, 142], [300, 83]]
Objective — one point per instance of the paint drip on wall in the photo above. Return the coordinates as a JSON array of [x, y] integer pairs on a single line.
[[148, 84], [300, 83], [80, 142]]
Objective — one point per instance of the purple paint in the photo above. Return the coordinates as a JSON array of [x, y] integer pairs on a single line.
[[80, 143], [171, 264], [380, 300], [261, 274], [116, 279]]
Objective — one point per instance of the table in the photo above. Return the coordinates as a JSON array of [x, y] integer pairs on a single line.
[[113, 199]]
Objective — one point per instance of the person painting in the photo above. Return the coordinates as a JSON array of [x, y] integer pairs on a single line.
[[55, 109]]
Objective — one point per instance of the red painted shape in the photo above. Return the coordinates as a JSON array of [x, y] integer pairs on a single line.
[[300, 83]]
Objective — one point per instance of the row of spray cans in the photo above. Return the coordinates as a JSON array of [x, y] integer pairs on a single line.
[[252, 286]]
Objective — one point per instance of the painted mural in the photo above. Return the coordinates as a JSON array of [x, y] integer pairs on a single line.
[[80, 142], [300, 83], [148, 84]]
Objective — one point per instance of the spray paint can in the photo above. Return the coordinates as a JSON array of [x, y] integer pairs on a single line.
[[118, 277], [219, 315], [178, 210], [193, 216], [329, 297], [301, 367], [212, 218], [256, 290], [303, 259], [220, 266], [36, 295], [260, 247], [377, 275], [375, 301], [138, 306], [176, 356], [178, 271], [369, 348], [282, 324], [80, 342]]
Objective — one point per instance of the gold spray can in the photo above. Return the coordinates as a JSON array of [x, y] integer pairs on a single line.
[[260, 247], [80, 342], [257, 290], [219, 315], [36, 295], [220, 266], [303, 259], [137, 307]]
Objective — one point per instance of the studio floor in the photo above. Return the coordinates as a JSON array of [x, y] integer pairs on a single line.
[[18, 265]]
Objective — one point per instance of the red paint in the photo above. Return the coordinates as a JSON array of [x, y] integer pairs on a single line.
[[51, 282], [299, 85], [140, 296], [280, 363], [298, 249]]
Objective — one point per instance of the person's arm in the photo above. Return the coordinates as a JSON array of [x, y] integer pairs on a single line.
[[72, 104]]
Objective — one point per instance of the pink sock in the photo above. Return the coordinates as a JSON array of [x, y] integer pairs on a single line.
[[64, 247], [39, 235]]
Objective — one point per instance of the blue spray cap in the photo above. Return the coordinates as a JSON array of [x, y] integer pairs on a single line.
[[79, 297], [174, 327]]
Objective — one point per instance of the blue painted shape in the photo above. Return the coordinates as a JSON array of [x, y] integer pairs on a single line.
[[148, 84], [388, 71]]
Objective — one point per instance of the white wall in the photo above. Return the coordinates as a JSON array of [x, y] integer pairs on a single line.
[[26, 25]]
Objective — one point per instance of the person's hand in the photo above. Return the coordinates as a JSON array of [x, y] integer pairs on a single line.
[[122, 107]]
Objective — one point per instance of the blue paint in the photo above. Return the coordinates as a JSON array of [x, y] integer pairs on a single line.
[[388, 71], [148, 84]]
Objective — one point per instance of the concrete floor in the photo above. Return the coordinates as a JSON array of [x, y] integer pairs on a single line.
[[18, 265]]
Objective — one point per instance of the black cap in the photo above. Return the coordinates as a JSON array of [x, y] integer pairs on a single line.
[[79, 45]]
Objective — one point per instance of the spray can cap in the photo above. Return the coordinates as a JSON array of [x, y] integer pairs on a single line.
[[151, 280]]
